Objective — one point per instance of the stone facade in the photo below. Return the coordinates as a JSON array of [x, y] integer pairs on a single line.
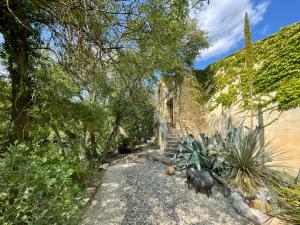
[[184, 115], [181, 113], [282, 129]]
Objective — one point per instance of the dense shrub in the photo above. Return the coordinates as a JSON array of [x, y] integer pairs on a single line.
[[37, 187]]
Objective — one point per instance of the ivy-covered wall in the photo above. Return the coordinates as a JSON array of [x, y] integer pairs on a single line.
[[276, 75]]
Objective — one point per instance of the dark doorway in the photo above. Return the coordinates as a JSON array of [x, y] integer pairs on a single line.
[[170, 111]]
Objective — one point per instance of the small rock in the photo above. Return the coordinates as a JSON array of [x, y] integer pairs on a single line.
[[170, 170], [91, 189], [256, 216], [238, 203], [85, 201], [105, 166]]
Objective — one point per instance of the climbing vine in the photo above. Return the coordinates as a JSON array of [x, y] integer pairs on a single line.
[[228, 98], [276, 76]]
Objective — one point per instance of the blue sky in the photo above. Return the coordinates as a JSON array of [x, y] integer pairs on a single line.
[[223, 20]]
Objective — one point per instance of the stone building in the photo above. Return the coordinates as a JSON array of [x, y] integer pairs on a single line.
[[182, 113]]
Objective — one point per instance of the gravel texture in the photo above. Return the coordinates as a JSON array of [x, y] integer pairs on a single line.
[[142, 193]]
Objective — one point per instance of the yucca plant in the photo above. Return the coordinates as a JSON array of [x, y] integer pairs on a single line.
[[249, 165]]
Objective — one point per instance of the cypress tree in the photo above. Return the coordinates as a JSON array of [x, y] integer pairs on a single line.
[[249, 60]]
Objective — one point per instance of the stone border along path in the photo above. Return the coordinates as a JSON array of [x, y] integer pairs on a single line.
[[140, 193]]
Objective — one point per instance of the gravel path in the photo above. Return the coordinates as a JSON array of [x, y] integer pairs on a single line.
[[142, 193]]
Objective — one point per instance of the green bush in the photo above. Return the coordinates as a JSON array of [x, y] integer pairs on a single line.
[[37, 188]]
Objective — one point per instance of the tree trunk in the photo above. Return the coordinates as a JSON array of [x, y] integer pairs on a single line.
[[18, 48], [111, 137], [93, 141], [83, 156]]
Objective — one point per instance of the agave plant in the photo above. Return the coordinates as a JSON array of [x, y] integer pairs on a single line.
[[202, 154], [236, 155]]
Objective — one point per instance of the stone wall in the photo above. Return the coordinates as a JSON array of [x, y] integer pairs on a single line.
[[282, 130], [190, 115], [277, 73]]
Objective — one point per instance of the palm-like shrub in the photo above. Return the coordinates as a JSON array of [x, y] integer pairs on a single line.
[[249, 165]]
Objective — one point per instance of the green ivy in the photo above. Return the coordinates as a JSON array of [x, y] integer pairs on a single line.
[[277, 58], [288, 94], [228, 98]]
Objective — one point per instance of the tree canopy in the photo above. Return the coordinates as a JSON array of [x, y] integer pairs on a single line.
[[89, 46], [74, 73]]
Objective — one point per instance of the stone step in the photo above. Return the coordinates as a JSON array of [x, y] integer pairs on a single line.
[[172, 145], [172, 149], [176, 150], [173, 140], [177, 135], [174, 137], [169, 140], [169, 154], [176, 132]]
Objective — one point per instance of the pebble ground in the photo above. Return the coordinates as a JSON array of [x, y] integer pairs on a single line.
[[142, 193]]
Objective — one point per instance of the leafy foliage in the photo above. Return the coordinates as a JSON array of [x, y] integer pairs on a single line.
[[73, 73], [275, 76], [228, 98], [37, 187]]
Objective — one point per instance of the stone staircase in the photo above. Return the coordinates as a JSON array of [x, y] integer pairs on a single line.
[[174, 134]]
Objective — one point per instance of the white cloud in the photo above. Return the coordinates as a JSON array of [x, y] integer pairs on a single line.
[[224, 22]]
